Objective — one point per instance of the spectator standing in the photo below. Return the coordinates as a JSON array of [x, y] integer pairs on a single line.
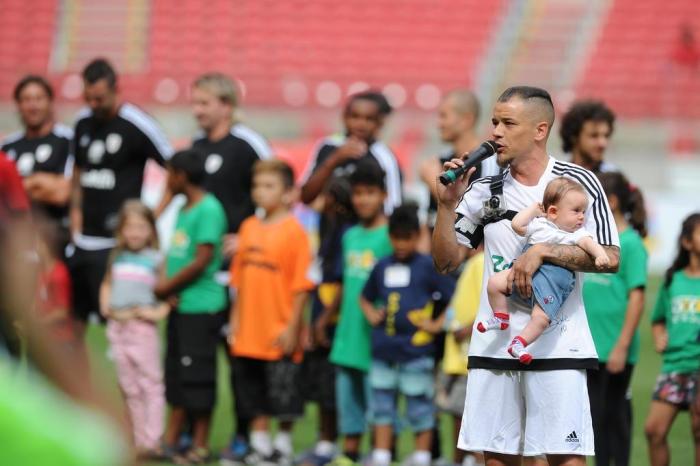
[[42, 151], [675, 330], [199, 303], [270, 276], [397, 301], [585, 134], [362, 246], [113, 141], [128, 302], [614, 306]]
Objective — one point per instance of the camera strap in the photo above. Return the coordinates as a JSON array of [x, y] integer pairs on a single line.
[[495, 208]]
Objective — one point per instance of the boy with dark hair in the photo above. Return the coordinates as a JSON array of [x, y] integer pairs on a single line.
[[198, 304], [397, 300], [338, 155], [362, 246], [270, 275]]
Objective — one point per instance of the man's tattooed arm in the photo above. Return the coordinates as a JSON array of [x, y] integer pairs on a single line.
[[576, 259]]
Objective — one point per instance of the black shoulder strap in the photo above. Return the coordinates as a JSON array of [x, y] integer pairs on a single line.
[[495, 209]]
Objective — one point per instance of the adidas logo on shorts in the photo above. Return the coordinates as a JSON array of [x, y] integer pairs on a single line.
[[572, 437]]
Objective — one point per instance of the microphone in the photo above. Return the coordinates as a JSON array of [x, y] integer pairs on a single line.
[[485, 150]]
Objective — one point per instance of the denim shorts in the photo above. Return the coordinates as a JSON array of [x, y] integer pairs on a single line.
[[551, 285], [413, 379]]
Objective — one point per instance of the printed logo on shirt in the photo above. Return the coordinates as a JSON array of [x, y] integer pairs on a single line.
[[572, 437], [113, 143], [685, 309], [397, 276], [98, 179], [499, 263], [179, 243], [43, 152], [25, 164], [96, 151], [213, 163]]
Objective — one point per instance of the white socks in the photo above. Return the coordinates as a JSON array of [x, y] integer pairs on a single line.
[[260, 441], [283, 443], [381, 457], [421, 458], [325, 448]]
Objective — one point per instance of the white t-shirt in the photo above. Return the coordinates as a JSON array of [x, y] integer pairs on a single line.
[[567, 342], [541, 230]]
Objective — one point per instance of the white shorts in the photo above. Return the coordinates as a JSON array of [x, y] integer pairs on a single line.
[[527, 413]]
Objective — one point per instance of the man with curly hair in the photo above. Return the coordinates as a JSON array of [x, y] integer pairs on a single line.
[[585, 133]]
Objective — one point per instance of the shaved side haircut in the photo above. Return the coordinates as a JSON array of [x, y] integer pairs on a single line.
[[465, 102], [536, 98]]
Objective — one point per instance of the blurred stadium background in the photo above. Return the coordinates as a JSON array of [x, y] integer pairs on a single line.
[[295, 61]]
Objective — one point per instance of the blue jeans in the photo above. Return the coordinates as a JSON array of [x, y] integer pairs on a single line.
[[413, 379]]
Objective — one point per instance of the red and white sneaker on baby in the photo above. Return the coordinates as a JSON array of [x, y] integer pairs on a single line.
[[517, 350], [499, 321]]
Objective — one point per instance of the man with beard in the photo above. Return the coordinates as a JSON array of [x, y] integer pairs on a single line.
[[42, 150], [585, 133], [113, 140]]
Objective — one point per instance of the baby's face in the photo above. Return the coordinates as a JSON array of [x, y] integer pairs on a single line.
[[569, 212]]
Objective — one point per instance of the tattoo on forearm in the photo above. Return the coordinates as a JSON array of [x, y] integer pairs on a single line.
[[576, 259], [446, 268]]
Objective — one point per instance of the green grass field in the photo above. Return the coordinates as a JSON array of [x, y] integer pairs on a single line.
[[304, 431]]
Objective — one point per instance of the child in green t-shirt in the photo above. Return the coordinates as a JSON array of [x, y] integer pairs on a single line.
[[198, 302], [362, 245], [614, 305], [676, 332]]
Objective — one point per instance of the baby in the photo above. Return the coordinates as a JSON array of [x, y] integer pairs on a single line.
[[558, 220]]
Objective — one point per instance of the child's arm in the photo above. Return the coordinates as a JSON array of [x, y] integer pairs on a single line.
[[373, 315], [660, 335], [596, 251], [433, 326], [288, 341], [153, 313], [233, 322], [105, 297], [169, 286], [618, 355], [327, 316], [521, 220]]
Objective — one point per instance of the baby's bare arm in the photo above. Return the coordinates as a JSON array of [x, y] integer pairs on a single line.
[[592, 247], [522, 218]]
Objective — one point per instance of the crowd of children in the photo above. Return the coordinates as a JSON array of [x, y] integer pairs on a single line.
[[365, 333]]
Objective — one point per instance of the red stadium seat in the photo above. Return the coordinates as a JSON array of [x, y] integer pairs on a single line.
[[631, 65]]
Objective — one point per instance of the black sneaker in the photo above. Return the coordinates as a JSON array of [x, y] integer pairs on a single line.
[[277, 458]]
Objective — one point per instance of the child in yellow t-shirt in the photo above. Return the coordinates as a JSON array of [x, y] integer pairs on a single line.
[[452, 383]]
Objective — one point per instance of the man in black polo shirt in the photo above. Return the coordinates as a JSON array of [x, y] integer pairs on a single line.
[[42, 150], [113, 140]]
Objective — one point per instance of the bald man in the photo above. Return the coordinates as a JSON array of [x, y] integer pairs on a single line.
[[513, 410], [458, 116]]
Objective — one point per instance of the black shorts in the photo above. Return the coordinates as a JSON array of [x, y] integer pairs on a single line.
[[268, 388], [87, 270], [318, 378], [190, 360]]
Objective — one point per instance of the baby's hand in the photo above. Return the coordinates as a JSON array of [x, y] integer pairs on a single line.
[[540, 210], [602, 261]]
